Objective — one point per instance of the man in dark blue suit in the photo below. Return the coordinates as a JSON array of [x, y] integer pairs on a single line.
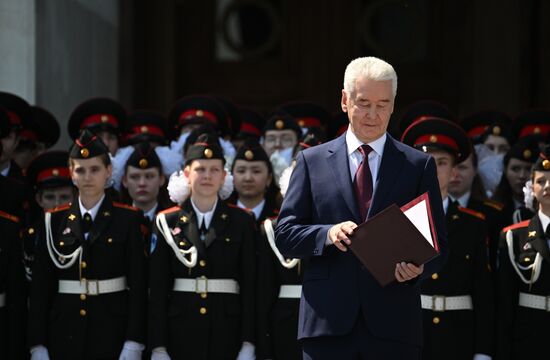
[[344, 312]]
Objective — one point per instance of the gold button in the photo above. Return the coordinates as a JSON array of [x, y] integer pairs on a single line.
[[110, 240], [82, 312], [61, 243], [82, 297], [203, 295], [467, 256], [435, 276], [31, 231], [83, 264], [436, 320], [182, 243], [202, 263], [227, 239], [202, 310]]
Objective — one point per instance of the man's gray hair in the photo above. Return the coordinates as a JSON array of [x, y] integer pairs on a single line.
[[371, 68]]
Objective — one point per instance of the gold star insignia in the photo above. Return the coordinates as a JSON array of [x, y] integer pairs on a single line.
[[455, 217], [72, 217], [224, 216], [532, 234], [106, 213], [184, 219]]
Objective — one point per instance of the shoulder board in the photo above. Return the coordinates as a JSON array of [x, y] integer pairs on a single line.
[[477, 214], [10, 217], [494, 204], [516, 226], [170, 210], [248, 211], [125, 206], [59, 208]]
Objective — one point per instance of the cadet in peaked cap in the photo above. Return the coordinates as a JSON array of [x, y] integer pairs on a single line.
[[191, 111], [233, 116], [310, 116], [145, 126], [421, 109], [252, 124], [465, 279], [18, 110], [534, 122], [203, 266], [491, 128], [255, 188], [280, 132], [104, 117], [90, 268], [524, 275], [41, 132]]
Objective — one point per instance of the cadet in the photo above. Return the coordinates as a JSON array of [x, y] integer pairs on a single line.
[[523, 318], [202, 271], [89, 291], [491, 128], [457, 302], [145, 125]]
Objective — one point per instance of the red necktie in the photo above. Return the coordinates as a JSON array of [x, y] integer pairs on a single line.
[[362, 182]]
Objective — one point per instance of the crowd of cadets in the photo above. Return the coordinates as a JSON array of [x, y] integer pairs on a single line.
[[153, 236]]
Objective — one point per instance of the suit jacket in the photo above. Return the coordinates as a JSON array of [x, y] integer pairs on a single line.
[[337, 288], [73, 326], [203, 325], [522, 333], [459, 334]]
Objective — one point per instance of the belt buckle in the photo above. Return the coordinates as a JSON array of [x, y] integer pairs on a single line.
[[201, 285], [443, 299], [92, 287]]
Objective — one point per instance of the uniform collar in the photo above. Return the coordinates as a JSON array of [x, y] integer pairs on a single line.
[[544, 220], [463, 200], [93, 211], [446, 204], [257, 210], [152, 212], [207, 216]]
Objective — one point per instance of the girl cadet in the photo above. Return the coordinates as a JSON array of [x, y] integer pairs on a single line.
[[89, 292], [202, 270]]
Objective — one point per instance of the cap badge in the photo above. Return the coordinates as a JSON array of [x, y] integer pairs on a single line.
[[208, 153], [279, 124], [496, 130], [302, 123], [55, 172], [144, 129], [527, 154], [143, 163], [84, 152], [536, 130], [104, 118], [546, 164], [199, 113], [249, 155], [433, 139]]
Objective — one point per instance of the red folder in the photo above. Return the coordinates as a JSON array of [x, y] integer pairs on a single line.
[[390, 237]]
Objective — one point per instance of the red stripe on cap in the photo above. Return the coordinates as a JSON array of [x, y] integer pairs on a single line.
[[97, 119], [536, 129], [14, 118], [309, 122], [437, 139], [146, 129], [249, 128], [29, 135], [478, 130], [193, 113], [77, 141], [53, 173]]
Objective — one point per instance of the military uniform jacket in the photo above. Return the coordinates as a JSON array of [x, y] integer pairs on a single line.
[[74, 326], [522, 332], [12, 290], [277, 317], [459, 334], [195, 325]]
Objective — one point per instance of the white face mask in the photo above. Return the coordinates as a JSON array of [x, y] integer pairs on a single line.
[[490, 168]]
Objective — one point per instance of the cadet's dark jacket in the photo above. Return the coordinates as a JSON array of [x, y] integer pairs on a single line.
[[90, 327], [277, 317], [212, 325], [522, 333], [459, 334], [12, 288]]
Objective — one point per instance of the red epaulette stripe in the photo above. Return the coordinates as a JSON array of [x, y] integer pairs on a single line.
[[170, 210], [516, 226], [59, 208], [248, 211], [10, 217], [125, 206], [472, 212], [495, 205]]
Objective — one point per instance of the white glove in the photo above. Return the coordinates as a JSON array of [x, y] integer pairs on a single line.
[[160, 353], [39, 352], [481, 357], [131, 351], [246, 352]]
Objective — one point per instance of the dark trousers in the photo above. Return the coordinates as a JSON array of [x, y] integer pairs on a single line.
[[358, 344]]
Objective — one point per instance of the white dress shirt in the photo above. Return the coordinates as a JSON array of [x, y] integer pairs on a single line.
[[355, 157], [463, 200], [150, 214], [207, 216], [93, 211], [257, 210]]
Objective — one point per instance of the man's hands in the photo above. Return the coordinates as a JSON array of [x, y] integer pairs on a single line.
[[338, 234], [407, 271]]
